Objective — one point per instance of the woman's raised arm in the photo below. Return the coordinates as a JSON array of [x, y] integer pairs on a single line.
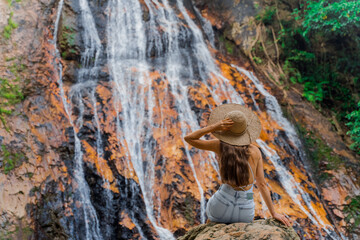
[[212, 145]]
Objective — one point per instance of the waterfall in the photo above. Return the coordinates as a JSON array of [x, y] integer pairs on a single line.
[[150, 42], [140, 46]]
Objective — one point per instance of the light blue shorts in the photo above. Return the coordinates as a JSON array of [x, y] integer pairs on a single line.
[[228, 205]]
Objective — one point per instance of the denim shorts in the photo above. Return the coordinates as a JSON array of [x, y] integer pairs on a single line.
[[228, 205]]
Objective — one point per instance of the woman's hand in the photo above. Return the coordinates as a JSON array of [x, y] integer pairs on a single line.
[[282, 219], [223, 125]]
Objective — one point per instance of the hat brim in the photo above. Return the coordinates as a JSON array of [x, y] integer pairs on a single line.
[[253, 128]]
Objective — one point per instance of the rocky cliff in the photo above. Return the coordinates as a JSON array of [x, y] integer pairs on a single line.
[[93, 146]]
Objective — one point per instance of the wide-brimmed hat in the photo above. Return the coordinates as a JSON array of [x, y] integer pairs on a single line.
[[246, 128]]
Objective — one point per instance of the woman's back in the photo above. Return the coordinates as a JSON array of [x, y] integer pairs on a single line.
[[254, 156], [235, 203]]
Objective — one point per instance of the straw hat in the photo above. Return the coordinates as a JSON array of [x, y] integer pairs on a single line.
[[246, 128]]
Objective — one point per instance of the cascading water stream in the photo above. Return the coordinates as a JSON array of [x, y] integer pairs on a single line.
[[92, 48], [293, 188], [100, 154], [129, 72], [207, 27]]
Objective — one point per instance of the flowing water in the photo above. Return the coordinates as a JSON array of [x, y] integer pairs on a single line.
[[92, 47], [164, 78]]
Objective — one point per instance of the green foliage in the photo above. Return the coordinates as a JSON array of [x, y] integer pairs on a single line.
[[63, 55], [330, 17], [257, 60], [10, 159], [10, 59], [318, 84], [319, 49], [292, 72], [353, 212], [67, 42], [17, 68], [70, 38], [321, 76], [10, 94], [5, 111], [354, 125], [9, 27], [266, 16], [229, 46], [301, 67], [299, 56]]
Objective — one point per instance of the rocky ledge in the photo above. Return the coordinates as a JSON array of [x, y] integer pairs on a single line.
[[259, 229]]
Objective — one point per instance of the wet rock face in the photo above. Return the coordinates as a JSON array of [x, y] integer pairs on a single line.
[[259, 229], [233, 18], [70, 39], [48, 213], [112, 207]]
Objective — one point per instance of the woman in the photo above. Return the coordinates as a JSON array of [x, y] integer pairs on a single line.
[[235, 128]]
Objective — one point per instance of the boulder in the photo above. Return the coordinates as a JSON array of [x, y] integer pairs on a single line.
[[259, 229]]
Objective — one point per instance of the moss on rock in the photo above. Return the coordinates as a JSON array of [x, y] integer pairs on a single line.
[[322, 157], [68, 43]]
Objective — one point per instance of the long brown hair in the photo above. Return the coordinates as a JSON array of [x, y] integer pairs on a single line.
[[234, 168]]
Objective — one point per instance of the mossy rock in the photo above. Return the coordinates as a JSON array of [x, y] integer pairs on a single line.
[[69, 43], [69, 39]]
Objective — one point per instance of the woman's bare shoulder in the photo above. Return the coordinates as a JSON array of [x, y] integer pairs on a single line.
[[254, 151]]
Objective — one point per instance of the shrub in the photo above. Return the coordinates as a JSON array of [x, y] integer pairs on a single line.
[[354, 125], [330, 17], [267, 15], [323, 74], [353, 212]]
